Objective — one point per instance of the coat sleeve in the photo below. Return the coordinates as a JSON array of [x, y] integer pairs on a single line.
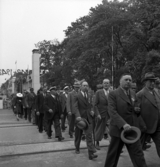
[[46, 104], [69, 103], [75, 106], [37, 103], [112, 110], [96, 101]]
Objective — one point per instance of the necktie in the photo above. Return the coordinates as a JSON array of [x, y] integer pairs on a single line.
[[85, 96], [128, 95]]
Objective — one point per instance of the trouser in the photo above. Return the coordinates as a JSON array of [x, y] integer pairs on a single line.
[[156, 138], [63, 120], [33, 112], [56, 121], [25, 113], [29, 114], [40, 122], [89, 139], [45, 122], [71, 122], [36, 119], [115, 148]]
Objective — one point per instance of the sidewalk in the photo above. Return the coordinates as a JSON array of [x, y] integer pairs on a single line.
[[15, 150], [22, 138]]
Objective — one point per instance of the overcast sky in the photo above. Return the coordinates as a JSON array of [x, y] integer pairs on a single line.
[[23, 23]]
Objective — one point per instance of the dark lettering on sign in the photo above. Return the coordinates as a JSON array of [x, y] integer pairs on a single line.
[[3, 72], [9, 71]]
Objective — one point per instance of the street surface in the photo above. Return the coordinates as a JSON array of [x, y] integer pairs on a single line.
[[22, 145]]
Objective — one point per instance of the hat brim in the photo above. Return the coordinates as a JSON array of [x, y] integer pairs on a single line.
[[19, 95], [82, 127], [77, 86], [146, 79], [131, 136]]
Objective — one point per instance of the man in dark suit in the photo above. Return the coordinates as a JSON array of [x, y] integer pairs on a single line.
[[71, 116], [82, 109], [31, 105], [101, 111], [53, 113], [64, 97], [123, 115], [149, 101], [40, 109]]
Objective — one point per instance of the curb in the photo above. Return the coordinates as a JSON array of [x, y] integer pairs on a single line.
[[30, 149]]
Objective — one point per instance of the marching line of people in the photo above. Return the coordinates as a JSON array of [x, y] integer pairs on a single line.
[[103, 115]]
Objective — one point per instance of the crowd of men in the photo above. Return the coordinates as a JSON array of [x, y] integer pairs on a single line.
[[104, 114]]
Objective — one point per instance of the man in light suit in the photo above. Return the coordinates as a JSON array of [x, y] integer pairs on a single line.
[[101, 111], [123, 115], [83, 109], [71, 116], [149, 101]]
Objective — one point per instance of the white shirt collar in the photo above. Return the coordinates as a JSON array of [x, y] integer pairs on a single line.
[[53, 96]]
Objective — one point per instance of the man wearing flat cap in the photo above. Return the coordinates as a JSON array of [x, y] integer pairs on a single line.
[[53, 113], [64, 97], [71, 116], [149, 101], [123, 114]]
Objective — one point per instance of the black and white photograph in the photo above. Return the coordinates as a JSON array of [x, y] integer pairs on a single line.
[[79, 83]]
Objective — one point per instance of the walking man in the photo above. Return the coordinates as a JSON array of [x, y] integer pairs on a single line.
[[123, 115], [101, 111], [149, 101], [83, 109], [71, 116], [53, 114]]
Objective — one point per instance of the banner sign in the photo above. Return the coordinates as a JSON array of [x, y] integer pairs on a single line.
[[9, 71]]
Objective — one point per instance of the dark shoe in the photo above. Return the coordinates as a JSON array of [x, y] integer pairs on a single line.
[[71, 136], [97, 147], [92, 156], [105, 136], [40, 131], [60, 138], [83, 137], [49, 137], [77, 151], [146, 147]]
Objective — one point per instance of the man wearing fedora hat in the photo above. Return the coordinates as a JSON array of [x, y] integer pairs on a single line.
[[149, 101], [123, 115], [82, 109], [71, 116]]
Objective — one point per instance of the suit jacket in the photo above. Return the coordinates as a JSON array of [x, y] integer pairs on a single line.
[[31, 100], [63, 102], [121, 111], [82, 107], [149, 109], [40, 103], [54, 104], [101, 104], [25, 101], [70, 101]]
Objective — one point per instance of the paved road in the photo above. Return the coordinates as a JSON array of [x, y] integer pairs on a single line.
[[70, 159], [35, 150]]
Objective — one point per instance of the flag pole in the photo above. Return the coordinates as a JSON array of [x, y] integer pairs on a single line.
[[112, 61]]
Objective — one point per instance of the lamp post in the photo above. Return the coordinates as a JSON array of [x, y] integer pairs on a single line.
[[112, 60]]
